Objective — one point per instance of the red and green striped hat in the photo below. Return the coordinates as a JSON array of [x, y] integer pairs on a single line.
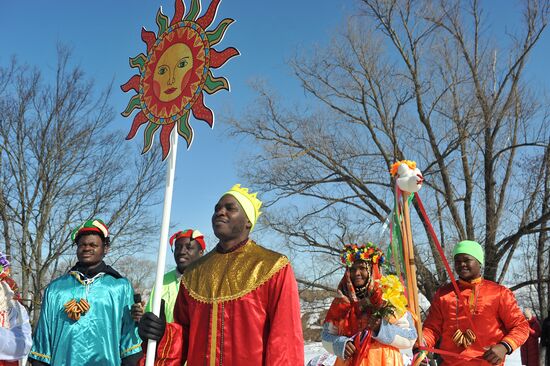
[[189, 233], [93, 225]]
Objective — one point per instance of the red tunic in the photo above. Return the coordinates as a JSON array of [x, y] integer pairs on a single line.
[[495, 314], [530, 349], [237, 308]]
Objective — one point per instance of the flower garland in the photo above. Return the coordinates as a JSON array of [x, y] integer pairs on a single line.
[[368, 253]]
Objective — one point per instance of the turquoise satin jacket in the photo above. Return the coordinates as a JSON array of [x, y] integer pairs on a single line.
[[101, 337]]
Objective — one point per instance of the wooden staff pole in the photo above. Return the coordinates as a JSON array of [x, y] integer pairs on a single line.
[[412, 266], [407, 259]]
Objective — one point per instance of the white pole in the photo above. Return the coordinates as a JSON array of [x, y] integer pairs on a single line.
[[161, 258]]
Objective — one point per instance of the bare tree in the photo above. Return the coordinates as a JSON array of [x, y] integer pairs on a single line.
[[420, 80], [60, 164], [534, 280], [139, 271]]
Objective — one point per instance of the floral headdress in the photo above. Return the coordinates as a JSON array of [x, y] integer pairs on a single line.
[[368, 253], [4, 266], [5, 276]]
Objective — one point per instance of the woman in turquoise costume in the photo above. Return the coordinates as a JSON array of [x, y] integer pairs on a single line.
[[85, 316]]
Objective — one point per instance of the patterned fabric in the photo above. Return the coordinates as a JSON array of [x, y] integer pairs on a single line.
[[15, 329], [231, 275]]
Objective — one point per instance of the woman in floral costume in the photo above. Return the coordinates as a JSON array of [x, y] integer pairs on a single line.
[[367, 323]]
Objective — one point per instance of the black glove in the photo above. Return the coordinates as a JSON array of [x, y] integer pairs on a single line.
[[151, 326], [132, 360], [37, 363]]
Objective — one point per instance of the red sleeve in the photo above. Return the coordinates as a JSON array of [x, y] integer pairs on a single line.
[[181, 317], [169, 348], [433, 325], [285, 344], [514, 321], [172, 348]]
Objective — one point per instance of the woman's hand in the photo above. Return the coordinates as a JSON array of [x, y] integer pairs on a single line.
[[374, 324], [349, 350]]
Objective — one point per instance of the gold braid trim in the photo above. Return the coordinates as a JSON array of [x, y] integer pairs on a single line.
[[218, 277], [123, 353], [40, 355]]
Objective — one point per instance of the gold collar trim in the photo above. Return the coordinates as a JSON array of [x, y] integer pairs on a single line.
[[219, 277]]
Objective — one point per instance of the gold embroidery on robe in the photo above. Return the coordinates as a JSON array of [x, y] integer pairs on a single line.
[[218, 277]]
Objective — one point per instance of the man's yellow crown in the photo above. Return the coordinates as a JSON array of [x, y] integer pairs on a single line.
[[251, 197]]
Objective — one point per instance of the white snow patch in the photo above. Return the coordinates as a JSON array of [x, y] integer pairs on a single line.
[[314, 349]]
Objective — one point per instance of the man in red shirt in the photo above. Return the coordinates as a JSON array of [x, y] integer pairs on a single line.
[[238, 304], [484, 324]]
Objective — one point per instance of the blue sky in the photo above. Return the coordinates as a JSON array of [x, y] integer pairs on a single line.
[[104, 34]]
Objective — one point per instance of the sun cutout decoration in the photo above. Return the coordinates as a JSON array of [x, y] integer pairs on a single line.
[[175, 72]]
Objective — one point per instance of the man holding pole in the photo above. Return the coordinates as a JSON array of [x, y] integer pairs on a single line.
[[187, 246], [237, 305], [483, 324]]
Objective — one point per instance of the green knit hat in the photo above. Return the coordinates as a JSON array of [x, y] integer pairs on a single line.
[[472, 248]]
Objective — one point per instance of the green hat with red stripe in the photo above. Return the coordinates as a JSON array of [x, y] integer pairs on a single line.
[[93, 225]]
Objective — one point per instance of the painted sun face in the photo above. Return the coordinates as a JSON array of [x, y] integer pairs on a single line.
[[175, 72], [172, 72]]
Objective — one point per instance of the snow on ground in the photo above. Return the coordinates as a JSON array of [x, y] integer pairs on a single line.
[[316, 349]]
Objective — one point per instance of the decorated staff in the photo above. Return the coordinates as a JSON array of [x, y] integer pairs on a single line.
[[450, 319], [409, 180], [173, 74]]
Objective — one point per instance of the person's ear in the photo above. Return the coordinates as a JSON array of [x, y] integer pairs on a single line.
[[106, 249], [248, 224]]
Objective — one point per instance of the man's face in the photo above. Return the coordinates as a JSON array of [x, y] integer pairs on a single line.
[[467, 267], [359, 273], [229, 220], [90, 250], [186, 251]]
